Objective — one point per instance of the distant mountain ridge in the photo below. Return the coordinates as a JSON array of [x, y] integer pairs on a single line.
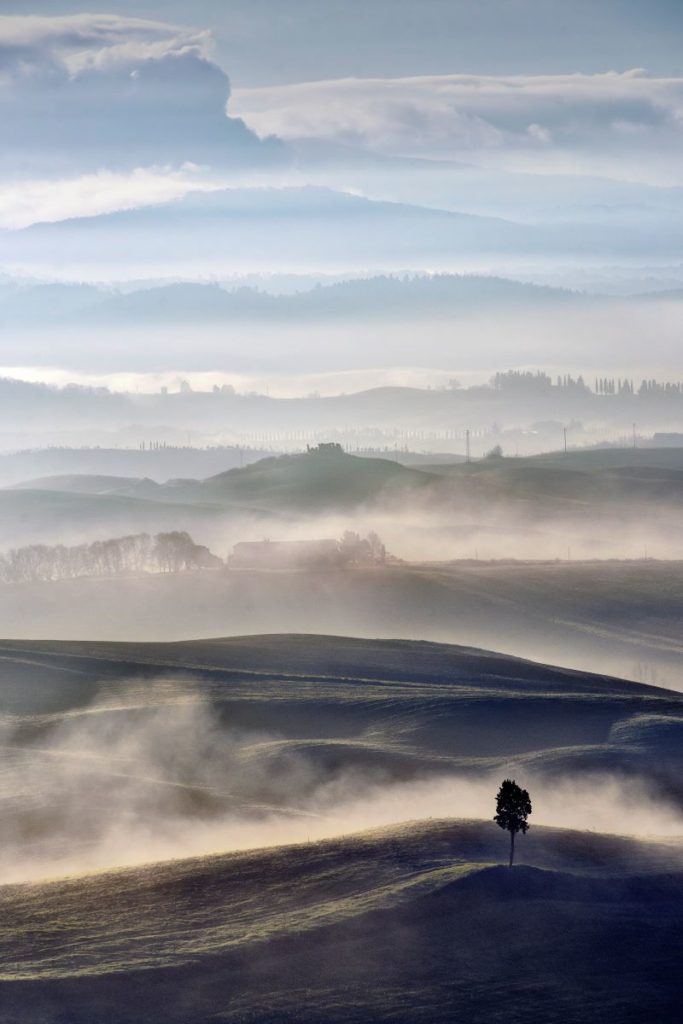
[[376, 296], [268, 228], [383, 295]]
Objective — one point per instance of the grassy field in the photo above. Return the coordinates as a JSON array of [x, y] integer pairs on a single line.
[[408, 924], [300, 828]]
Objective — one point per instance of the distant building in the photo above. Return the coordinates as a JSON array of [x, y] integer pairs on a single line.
[[325, 448], [286, 554]]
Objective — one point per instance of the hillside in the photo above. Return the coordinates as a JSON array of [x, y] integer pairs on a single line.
[[79, 512], [89, 506], [490, 508], [643, 459], [265, 228], [315, 480], [587, 483], [329, 477], [225, 779], [84, 483], [158, 464], [380, 296], [409, 924], [317, 706]]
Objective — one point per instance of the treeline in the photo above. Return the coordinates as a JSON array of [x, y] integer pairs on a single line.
[[118, 556], [527, 382], [612, 386]]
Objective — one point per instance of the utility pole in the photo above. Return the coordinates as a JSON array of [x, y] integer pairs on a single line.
[[467, 446], [634, 435], [564, 431]]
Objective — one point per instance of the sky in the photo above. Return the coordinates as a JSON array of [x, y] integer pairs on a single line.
[[515, 85], [280, 136], [266, 42]]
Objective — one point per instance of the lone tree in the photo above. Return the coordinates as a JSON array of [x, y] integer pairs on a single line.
[[513, 806]]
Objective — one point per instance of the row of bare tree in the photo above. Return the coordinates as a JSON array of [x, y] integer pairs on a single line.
[[119, 556]]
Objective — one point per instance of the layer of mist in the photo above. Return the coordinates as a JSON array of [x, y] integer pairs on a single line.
[[158, 772], [584, 338], [573, 559]]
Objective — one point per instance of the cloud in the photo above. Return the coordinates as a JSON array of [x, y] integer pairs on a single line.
[[577, 121], [92, 91], [48, 200]]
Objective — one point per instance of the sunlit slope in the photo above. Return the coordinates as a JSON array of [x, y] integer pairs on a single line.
[[413, 923]]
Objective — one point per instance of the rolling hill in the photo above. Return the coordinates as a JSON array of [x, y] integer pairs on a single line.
[[40, 466], [397, 708], [590, 486], [186, 302], [497, 507], [326, 476], [268, 228], [256, 761], [317, 479], [411, 924], [77, 513], [311, 482]]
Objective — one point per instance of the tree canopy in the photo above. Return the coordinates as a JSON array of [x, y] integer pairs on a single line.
[[513, 806]]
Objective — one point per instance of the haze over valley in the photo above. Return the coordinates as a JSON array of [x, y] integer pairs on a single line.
[[341, 481]]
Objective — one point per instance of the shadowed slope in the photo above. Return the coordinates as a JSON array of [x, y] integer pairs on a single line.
[[622, 619], [403, 924], [203, 745], [124, 753]]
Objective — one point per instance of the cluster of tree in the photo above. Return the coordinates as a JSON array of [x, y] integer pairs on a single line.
[[527, 382], [357, 550], [118, 556], [524, 381], [569, 383], [610, 386], [495, 453], [653, 387]]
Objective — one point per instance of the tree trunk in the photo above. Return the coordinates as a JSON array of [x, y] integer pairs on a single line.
[[512, 847]]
